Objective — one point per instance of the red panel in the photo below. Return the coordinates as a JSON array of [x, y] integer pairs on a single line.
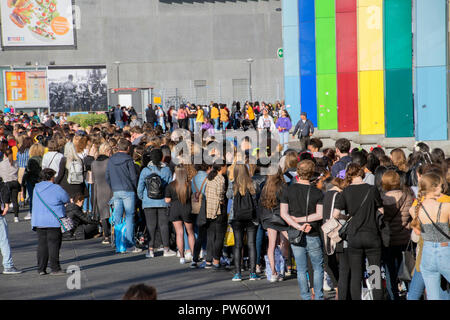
[[347, 102], [345, 5], [346, 42]]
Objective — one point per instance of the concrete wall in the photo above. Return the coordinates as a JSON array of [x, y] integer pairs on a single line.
[[170, 44]]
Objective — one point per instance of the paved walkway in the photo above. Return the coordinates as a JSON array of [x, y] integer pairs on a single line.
[[106, 275]]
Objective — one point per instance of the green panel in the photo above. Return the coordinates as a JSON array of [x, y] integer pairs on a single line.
[[398, 34], [327, 101], [326, 45], [399, 103], [325, 9]]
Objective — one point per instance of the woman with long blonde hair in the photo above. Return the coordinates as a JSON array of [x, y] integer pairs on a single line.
[[431, 221], [178, 195], [398, 158]]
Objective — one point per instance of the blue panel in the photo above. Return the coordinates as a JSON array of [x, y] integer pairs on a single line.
[[309, 97], [307, 48], [291, 51], [430, 24], [289, 13], [431, 103], [305, 9], [292, 97]]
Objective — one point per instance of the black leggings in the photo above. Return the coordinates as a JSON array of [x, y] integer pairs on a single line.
[[215, 235], [362, 246], [157, 216], [106, 228], [344, 275], [49, 244], [14, 189], [239, 228]]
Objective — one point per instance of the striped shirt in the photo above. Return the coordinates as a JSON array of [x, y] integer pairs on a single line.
[[22, 158]]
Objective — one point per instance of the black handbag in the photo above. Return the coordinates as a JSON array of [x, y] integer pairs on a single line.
[[343, 232], [296, 237], [408, 264]]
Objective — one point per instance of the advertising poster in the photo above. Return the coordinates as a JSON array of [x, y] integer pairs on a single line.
[[25, 89], [78, 89], [37, 23]]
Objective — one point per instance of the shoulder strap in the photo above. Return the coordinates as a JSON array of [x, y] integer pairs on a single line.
[[332, 204], [203, 183], [307, 202], [52, 159], [434, 224], [53, 212], [362, 203]]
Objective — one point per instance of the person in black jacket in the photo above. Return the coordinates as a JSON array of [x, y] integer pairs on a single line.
[[150, 115], [84, 227]]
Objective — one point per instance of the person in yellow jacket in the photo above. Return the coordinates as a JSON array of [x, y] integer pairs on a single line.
[[224, 117], [251, 115], [215, 115], [200, 119]]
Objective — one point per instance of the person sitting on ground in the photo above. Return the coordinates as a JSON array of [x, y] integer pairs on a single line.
[[83, 226]]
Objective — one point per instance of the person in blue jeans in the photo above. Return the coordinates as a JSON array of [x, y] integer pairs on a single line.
[[301, 207], [5, 249], [283, 126], [431, 221], [122, 178]]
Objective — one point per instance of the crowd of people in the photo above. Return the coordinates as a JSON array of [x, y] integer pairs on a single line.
[[331, 216]]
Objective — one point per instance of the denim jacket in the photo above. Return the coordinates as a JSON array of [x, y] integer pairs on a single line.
[[165, 174]]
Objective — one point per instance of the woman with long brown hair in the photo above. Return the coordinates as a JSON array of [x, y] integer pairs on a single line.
[[23, 154], [270, 205], [178, 195], [398, 158], [361, 202]]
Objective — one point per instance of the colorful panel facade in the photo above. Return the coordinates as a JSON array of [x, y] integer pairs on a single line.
[[307, 33], [430, 70], [398, 73], [347, 65], [326, 65]]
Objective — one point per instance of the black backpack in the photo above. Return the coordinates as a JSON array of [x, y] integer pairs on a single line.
[[155, 186], [243, 207]]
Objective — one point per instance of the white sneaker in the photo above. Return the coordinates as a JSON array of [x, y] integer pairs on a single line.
[[134, 250], [188, 257], [326, 287], [273, 278], [16, 219], [169, 253], [178, 254], [27, 217], [182, 261], [150, 254]]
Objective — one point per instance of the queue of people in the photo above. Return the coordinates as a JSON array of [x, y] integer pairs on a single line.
[[331, 216]]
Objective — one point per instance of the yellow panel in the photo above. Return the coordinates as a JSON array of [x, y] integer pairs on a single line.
[[371, 102], [370, 35], [367, 3]]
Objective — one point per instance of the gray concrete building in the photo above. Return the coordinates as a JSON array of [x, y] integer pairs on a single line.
[[193, 50]]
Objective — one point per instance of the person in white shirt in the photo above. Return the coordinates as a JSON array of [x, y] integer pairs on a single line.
[[266, 121]]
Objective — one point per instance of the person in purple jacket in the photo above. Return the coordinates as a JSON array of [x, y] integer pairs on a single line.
[[283, 126]]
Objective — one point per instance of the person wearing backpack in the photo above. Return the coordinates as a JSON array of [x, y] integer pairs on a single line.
[[152, 184], [73, 178], [301, 207], [122, 178], [244, 219]]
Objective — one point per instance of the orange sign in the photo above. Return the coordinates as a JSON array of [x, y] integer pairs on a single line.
[[60, 26], [16, 86]]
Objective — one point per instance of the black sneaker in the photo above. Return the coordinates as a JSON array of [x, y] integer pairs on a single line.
[[194, 265], [43, 273], [208, 265]]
